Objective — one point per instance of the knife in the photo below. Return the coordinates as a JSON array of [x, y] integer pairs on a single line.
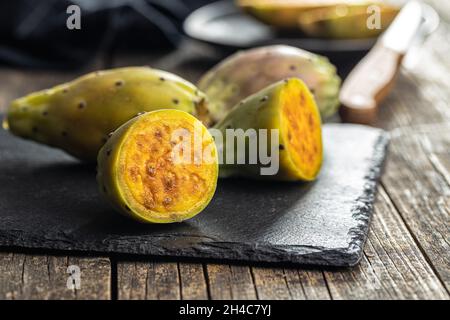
[[373, 77]]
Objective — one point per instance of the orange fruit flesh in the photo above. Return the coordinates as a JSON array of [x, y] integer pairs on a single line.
[[157, 185], [301, 131]]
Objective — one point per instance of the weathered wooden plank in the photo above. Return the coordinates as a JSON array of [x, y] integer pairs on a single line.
[[26, 276], [393, 267], [95, 277], [419, 188], [230, 282], [270, 283], [307, 284], [150, 281], [161, 281], [193, 281]]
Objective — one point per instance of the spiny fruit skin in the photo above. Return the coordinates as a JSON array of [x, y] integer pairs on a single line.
[[138, 176], [78, 116], [289, 107], [247, 72]]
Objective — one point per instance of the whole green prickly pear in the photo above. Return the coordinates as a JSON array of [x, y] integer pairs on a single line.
[[292, 138], [247, 72], [79, 115]]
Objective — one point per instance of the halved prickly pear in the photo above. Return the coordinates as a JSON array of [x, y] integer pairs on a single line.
[[159, 167], [322, 18], [289, 113], [282, 13], [346, 21], [78, 116], [247, 72]]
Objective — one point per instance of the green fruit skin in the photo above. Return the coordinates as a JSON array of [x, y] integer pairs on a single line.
[[247, 72], [107, 179], [78, 116], [352, 25], [258, 111]]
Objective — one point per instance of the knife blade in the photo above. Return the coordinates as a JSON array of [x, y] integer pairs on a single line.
[[373, 77]]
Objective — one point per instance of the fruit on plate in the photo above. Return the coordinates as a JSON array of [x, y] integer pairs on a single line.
[[159, 167], [322, 18], [281, 13], [346, 21], [247, 72], [293, 148], [78, 116]]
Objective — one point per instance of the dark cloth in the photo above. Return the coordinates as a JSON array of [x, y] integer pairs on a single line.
[[34, 33]]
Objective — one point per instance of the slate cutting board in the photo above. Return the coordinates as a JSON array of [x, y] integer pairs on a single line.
[[48, 200]]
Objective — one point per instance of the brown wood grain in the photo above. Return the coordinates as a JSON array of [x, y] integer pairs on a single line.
[[29, 276], [407, 252], [393, 267], [227, 282]]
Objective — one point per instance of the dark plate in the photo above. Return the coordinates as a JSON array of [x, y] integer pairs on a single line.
[[223, 24]]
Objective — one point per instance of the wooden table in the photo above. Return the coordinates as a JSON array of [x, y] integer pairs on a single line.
[[407, 254]]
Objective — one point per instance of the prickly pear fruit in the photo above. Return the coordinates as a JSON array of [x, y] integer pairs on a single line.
[[148, 170], [282, 14], [348, 16], [78, 116], [247, 72], [345, 21], [287, 106]]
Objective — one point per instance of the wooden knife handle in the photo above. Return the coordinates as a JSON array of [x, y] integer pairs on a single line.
[[368, 84]]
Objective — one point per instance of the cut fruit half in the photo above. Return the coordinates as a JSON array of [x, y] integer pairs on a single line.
[[159, 167], [300, 131], [286, 108]]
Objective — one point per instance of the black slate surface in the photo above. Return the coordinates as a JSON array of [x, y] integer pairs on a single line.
[[49, 200]]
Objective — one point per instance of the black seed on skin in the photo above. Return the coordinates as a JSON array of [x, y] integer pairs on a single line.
[[65, 91], [119, 83], [264, 99], [176, 101], [286, 80], [108, 152], [162, 79], [292, 67], [45, 113], [281, 147], [81, 105], [312, 91]]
